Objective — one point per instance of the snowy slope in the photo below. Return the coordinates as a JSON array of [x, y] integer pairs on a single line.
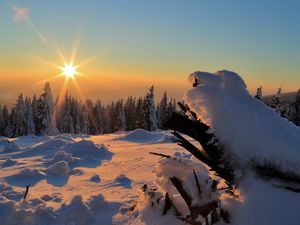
[[75, 181]]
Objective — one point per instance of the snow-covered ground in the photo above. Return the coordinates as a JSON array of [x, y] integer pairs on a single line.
[[76, 181], [101, 179]]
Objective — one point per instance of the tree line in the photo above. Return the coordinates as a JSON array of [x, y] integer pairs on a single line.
[[41, 115], [289, 110]]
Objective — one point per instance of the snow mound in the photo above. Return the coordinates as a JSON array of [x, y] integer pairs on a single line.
[[52, 144], [60, 168], [247, 127], [35, 211], [77, 212], [64, 137], [43, 148], [25, 177], [10, 146], [62, 156], [143, 136], [87, 148], [29, 173]]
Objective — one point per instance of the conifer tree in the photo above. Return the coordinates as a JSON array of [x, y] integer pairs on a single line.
[[150, 121], [48, 112], [258, 94], [30, 126]]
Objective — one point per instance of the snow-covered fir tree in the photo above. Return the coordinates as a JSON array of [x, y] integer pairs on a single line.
[[84, 122], [258, 94], [276, 101], [2, 123], [48, 112], [98, 117], [66, 121], [41, 116], [162, 110], [30, 125], [139, 118], [149, 112], [19, 125], [130, 113]]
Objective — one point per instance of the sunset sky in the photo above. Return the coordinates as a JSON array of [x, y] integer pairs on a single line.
[[131, 44]]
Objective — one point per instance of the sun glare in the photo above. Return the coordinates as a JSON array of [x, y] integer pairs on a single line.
[[69, 70]]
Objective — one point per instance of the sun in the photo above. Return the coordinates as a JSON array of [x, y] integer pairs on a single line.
[[69, 70]]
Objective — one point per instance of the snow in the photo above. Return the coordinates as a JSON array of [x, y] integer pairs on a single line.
[[10, 147], [75, 181], [143, 136], [98, 179], [60, 168], [87, 148], [247, 127]]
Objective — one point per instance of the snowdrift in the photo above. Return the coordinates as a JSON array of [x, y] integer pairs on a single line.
[[87, 148], [143, 136], [247, 127]]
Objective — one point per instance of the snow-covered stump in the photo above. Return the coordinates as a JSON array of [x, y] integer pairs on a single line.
[[183, 192], [239, 135]]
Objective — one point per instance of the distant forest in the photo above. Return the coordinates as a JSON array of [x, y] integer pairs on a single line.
[[41, 115], [287, 109]]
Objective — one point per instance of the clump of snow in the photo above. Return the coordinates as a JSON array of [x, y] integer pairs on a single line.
[[143, 136], [247, 127], [77, 212], [87, 148], [150, 205], [10, 146], [60, 168], [182, 155], [62, 156], [35, 211]]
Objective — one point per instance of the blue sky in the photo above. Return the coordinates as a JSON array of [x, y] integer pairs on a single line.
[[161, 39]]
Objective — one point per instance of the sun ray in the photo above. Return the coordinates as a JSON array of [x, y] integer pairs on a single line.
[[60, 54], [49, 79], [75, 51], [63, 89]]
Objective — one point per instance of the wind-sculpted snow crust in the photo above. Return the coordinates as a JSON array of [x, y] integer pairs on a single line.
[[248, 128]]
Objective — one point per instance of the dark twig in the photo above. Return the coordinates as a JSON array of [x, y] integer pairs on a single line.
[[26, 192], [168, 204], [160, 154], [197, 182]]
